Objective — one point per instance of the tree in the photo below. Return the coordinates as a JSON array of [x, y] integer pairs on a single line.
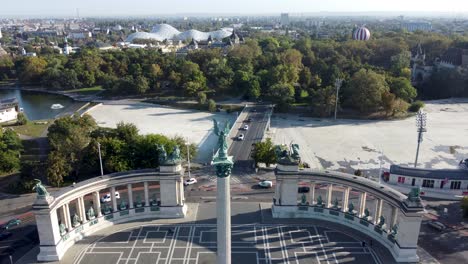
[[57, 168], [141, 85], [323, 100], [211, 105], [464, 206], [32, 68], [365, 90], [388, 102], [10, 148], [282, 94], [264, 152], [201, 98], [402, 88]]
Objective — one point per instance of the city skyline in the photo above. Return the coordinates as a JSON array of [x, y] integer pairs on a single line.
[[87, 8]]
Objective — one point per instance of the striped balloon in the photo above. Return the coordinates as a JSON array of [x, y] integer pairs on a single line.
[[361, 33]]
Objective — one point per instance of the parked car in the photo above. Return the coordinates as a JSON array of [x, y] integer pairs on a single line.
[[303, 189], [107, 198], [253, 110], [248, 120], [240, 137], [437, 225], [245, 127], [5, 235], [190, 181], [11, 223], [265, 184]]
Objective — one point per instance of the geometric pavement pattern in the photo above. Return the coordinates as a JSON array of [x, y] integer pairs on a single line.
[[196, 244]]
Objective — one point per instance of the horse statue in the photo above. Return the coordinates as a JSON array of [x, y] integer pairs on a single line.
[[295, 151], [175, 155], [40, 189], [162, 154]]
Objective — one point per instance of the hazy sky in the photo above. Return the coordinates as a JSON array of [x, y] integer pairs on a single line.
[[147, 7]]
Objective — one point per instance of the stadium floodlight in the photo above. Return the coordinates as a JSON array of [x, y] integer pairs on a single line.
[[421, 121]]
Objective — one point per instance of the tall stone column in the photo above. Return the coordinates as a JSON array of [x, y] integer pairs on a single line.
[[97, 204], [114, 199], [329, 195], [130, 195], [278, 191], [312, 193], [223, 164]]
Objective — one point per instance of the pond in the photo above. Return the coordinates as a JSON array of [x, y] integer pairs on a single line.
[[37, 105]]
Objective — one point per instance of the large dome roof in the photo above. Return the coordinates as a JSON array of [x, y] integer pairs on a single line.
[[164, 31], [362, 33]]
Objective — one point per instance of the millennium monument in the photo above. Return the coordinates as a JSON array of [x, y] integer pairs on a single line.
[[223, 164]]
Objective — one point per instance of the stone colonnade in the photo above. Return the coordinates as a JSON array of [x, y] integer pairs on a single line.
[[58, 229]]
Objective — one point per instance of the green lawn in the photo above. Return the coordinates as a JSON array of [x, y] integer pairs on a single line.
[[31, 129], [88, 90]]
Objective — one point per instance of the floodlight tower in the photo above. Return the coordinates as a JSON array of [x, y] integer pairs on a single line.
[[421, 119]]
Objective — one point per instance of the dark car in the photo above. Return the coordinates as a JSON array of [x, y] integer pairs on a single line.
[[303, 189], [5, 235], [11, 223], [248, 120]]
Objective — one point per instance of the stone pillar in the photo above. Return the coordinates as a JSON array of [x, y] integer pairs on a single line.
[[329, 195], [147, 203], [289, 192], [49, 234], [345, 199], [394, 219], [83, 210], [362, 203], [278, 191], [63, 216], [113, 199], [312, 193], [168, 192], [181, 191], [378, 210], [130, 195], [68, 217], [97, 204]]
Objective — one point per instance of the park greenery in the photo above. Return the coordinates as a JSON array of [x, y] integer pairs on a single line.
[[10, 151], [74, 149], [264, 152], [288, 72]]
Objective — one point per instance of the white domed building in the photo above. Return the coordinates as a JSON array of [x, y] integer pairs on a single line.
[[162, 32], [362, 33]]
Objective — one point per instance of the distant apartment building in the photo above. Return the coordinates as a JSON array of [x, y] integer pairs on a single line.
[[414, 26], [284, 19], [8, 110], [80, 35]]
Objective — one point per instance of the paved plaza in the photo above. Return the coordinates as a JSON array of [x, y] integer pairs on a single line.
[[196, 244], [193, 125], [357, 144]]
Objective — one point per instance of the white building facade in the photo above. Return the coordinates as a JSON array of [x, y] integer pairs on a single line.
[[8, 110], [449, 184]]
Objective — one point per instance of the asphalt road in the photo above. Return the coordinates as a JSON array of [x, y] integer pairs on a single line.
[[241, 149]]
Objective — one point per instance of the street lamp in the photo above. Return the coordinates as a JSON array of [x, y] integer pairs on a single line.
[[100, 158], [188, 156], [421, 118], [338, 83]]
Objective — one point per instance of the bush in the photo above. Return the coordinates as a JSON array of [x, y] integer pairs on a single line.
[[22, 119], [201, 98], [211, 105], [416, 106]]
